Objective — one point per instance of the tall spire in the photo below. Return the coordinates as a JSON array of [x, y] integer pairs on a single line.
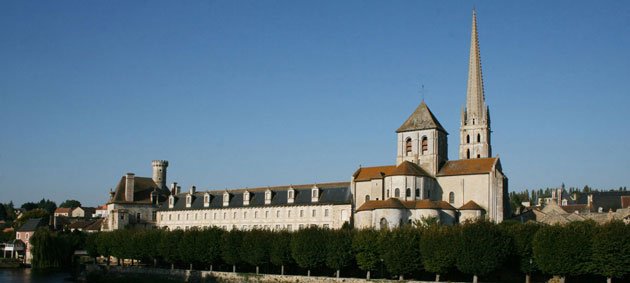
[[475, 128], [475, 101]]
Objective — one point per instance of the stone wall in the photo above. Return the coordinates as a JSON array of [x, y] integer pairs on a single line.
[[198, 276]]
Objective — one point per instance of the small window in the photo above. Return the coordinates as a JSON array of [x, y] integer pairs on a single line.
[[467, 138], [408, 146], [289, 227], [408, 193], [277, 213], [425, 145], [290, 194], [266, 214], [245, 215], [314, 193], [468, 154], [169, 217], [255, 214], [18, 236], [367, 197], [478, 138], [397, 193], [478, 155], [326, 212], [451, 198], [224, 215], [233, 216], [301, 213], [417, 192], [289, 214], [314, 213], [213, 216], [326, 226]]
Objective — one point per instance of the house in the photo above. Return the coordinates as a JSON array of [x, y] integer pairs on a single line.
[[26, 231]]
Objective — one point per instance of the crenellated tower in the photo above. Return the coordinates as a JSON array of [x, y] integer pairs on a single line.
[[159, 172], [475, 123]]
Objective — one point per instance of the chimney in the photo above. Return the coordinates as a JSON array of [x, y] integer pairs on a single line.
[[192, 190], [129, 183], [178, 190], [173, 188]]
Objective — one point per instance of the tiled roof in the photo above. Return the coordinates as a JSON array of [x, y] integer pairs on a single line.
[[79, 224], [410, 204], [625, 201], [471, 205], [407, 168], [142, 191], [421, 119], [95, 226], [32, 224], [575, 207], [369, 173], [63, 210], [330, 193], [469, 166]]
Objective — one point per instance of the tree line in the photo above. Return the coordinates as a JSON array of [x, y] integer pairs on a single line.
[[476, 249]]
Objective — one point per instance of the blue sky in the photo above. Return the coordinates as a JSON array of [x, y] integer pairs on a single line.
[[261, 93]]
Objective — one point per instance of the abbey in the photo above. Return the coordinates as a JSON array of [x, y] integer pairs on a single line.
[[423, 183]]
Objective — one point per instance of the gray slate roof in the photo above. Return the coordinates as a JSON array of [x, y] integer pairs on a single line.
[[330, 193], [421, 119], [32, 224], [605, 200]]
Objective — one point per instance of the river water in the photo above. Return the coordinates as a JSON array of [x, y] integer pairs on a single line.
[[27, 275]]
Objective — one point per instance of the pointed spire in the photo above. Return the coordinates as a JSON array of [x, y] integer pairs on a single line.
[[475, 101]]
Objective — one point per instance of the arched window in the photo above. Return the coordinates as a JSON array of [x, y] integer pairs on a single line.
[[408, 193], [417, 192], [468, 154], [425, 145], [397, 193], [383, 223], [478, 137], [451, 198], [367, 197], [408, 146], [467, 138]]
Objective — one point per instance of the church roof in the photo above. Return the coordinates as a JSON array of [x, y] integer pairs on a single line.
[[142, 188], [369, 173], [407, 168], [394, 203], [469, 166], [471, 205], [421, 119]]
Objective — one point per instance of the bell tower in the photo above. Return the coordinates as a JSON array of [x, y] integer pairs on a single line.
[[475, 123]]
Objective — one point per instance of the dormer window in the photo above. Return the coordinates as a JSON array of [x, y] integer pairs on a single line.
[[268, 195], [206, 200], [290, 195], [171, 201], [315, 194], [226, 198], [188, 200], [246, 196]]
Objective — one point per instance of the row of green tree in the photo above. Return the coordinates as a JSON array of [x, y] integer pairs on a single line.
[[477, 249]]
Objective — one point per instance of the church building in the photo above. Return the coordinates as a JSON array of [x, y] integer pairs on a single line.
[[424, 183]]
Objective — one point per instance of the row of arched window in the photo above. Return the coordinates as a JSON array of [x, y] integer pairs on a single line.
[[468, 138], [424, 146]]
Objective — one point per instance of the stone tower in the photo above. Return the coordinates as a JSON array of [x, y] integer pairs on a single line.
[[422, 140], [159, 172], [475, 124]]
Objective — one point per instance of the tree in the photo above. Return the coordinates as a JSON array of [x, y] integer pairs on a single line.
[[103, 244], [564, 250], [439, 249], [365, 247], [91, 245], [611, 250], [47, 205], [189, 247], [339, 249], [70, 203], [522, 236], [254, 248], [28, 206], [169, 246], [482, 248], [400, 250], [210, 247], [308, 249], [231, 247], [44, 249], [3, 212], [280, 249]]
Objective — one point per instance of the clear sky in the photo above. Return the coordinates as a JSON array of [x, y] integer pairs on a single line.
[[260, 93]]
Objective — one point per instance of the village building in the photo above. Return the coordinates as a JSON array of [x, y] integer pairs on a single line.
[[26, 231]]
